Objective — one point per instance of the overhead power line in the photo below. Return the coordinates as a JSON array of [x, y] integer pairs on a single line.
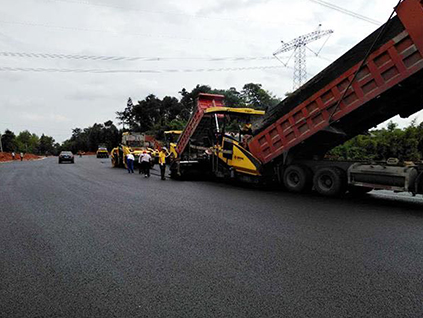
[[348, 12], [144, 58], [105, 71], [128, 58]]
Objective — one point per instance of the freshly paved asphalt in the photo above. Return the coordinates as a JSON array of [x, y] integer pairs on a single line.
[[87, 240]]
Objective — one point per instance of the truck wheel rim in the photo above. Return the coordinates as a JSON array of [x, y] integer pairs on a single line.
[[293, 179], [325, 182]]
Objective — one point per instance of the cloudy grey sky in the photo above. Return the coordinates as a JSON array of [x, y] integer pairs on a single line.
[[186, 34]]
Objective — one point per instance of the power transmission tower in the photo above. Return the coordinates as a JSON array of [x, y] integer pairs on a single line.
[[298, 45]]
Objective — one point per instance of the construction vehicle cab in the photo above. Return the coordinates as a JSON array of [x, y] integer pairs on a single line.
[[172, 136], [229, 154]]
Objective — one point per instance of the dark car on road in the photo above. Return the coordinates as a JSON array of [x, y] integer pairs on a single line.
[[66, 156]]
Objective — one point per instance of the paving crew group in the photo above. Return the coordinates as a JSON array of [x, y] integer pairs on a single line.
[[144, 163]]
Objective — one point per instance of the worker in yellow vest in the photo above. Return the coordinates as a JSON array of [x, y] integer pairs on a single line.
[[163, 154]]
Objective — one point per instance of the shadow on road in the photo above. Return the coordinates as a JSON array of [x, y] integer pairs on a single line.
[[386, 201]]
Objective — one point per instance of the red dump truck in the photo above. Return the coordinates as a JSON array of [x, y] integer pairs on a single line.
[[379, 78]]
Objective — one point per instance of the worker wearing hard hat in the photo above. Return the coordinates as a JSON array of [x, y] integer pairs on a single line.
[[163, 154]]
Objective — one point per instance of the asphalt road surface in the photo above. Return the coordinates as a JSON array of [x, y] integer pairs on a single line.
[[88, 240]]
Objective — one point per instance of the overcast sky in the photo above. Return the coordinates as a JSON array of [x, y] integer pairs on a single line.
[[187, 34]]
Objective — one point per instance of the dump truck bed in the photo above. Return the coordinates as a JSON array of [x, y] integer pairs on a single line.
[[311, 121]]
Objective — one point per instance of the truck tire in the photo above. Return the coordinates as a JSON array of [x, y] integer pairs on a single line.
[[330, 182], [297, 178]]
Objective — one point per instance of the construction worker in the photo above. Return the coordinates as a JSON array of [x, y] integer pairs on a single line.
[[246, 130], [145, 163], [130, 162], [163, 154], [246, 133]]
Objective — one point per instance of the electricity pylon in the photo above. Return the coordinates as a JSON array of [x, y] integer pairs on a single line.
[[299, 46]]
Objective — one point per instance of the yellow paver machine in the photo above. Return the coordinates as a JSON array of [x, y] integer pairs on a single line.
[[215, 141]]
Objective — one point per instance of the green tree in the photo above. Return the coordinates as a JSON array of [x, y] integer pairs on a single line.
[[257, 97], [233, 98], [46, 145], [27, 142], [8, 140]]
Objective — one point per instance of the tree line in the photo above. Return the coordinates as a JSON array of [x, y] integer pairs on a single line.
[[87, 139], [27, 142], [406, 144]]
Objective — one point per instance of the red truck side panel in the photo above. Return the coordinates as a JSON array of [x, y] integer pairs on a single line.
[[389, 65]]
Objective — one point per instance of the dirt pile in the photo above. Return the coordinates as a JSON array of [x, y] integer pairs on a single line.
[[6, 156]]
